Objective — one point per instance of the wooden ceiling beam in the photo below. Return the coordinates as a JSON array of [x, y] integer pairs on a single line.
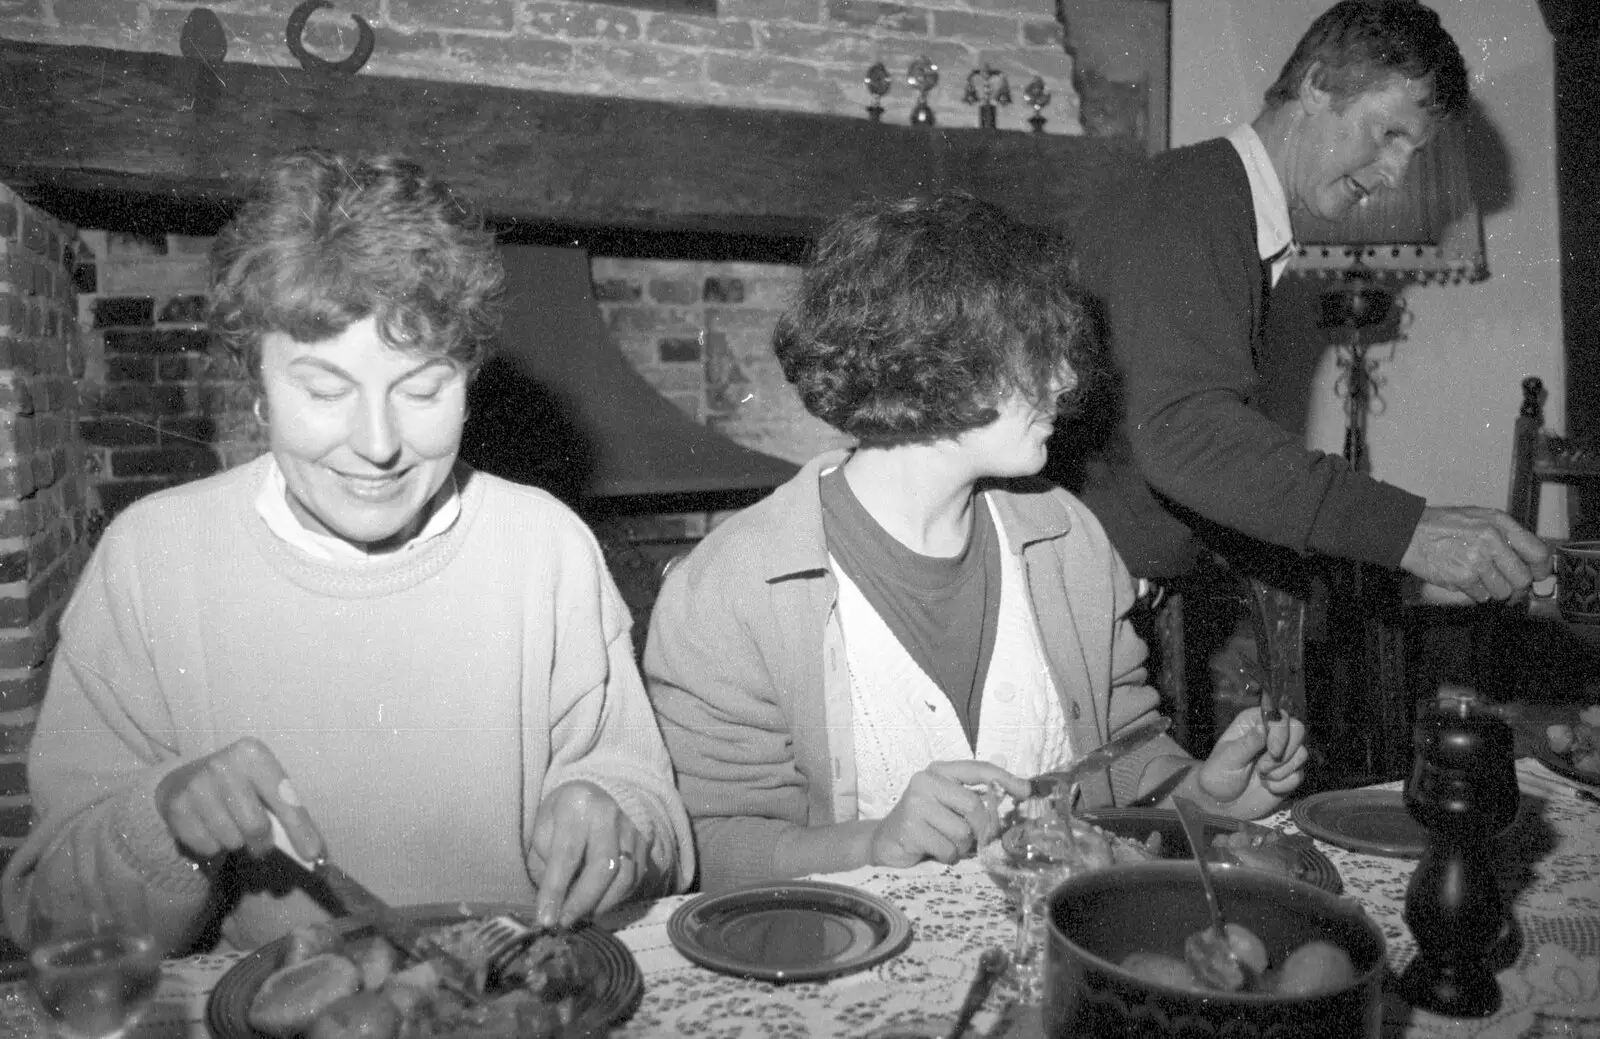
[[92, 122]]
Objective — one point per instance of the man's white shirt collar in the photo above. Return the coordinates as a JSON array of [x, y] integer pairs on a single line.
[[1274, 232], [272, 502]]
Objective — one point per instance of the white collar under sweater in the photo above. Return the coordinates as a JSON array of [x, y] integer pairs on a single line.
[[1274, 231], [273, 504]]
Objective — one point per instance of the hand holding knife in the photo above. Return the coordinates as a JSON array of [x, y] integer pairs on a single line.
[[360, 900], [1056, 783]]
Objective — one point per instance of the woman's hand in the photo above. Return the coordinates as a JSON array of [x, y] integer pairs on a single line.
[[218, 803], [941, 816], [587, 855], [1255, 765]]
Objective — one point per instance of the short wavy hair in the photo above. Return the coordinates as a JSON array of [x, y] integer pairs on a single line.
[[1356, 45], [914, 318], [324, 241]]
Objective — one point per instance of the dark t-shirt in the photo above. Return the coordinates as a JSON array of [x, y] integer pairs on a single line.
[[943, 610]]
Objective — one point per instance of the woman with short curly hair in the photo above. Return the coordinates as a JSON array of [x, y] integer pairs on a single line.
[[915, 318], [422, 669], [843, 668], [325, 241]]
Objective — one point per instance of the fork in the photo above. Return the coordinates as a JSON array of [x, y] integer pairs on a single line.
[[497, 943]]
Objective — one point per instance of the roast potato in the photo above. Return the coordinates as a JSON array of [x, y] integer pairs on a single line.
[[361, 1015], [292, 997], [1316, 966], [306, 942], [377, 960]]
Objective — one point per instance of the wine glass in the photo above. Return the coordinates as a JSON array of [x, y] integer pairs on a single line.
[[1039, 847], [94, 976], [1027, 956]]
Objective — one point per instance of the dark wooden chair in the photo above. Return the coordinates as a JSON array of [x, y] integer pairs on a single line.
[[1505, 652], [1526, 651], [1539, 457]]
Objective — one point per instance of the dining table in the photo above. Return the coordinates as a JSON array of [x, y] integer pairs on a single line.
[[1548, 865]]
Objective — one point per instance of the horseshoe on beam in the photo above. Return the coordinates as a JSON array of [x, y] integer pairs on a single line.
[[320, 66]]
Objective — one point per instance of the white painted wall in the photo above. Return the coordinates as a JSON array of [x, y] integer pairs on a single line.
[[1452, 386]]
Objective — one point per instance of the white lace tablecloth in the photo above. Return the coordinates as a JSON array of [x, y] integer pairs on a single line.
[[1550, 874]]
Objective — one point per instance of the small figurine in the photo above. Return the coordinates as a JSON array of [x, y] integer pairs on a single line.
[[923, 75], [877, 82], [986, 88], [1037, 97]]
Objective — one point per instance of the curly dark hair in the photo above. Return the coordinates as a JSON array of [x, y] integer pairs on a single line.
[[1359, 44], [914, 318], [324, 241]]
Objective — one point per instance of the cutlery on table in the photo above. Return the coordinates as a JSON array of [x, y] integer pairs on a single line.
[[990, 966], [359, 900], [1048, 784], [1543, 782]]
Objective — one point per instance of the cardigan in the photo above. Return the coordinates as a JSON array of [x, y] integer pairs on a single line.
[[745, 665], [1171, 256]]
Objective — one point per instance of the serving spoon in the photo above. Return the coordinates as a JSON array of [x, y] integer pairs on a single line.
[[1208, 952]]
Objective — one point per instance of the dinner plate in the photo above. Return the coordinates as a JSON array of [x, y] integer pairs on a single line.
[[1561, 764], [1136, 824], [1374, 822], [612, 993], [794, 930]]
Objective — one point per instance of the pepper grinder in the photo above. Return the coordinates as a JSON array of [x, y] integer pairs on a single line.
[[1463, 788]]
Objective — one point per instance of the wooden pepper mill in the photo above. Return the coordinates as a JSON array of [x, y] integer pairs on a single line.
[[1463, 788]]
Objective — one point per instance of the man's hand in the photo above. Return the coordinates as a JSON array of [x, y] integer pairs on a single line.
[[940, 816], [1472, 554]]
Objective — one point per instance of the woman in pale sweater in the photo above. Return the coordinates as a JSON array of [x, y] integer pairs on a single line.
[[842, 669], [423, 671]]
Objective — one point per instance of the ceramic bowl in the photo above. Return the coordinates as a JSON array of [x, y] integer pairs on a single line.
[[1098, 918], [1578, 581]]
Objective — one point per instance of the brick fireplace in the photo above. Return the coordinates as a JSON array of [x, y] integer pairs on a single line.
[[46, 518]]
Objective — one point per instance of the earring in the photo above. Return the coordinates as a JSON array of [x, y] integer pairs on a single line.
[[256, 409]]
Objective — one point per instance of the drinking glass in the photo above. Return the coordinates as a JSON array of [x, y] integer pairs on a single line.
[[93, 976], [1027, 956]]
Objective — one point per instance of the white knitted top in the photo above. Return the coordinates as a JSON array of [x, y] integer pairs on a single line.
[[902, 720]]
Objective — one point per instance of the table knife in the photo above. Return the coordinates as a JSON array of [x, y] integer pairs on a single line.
[[361, 901], [1048, 784]]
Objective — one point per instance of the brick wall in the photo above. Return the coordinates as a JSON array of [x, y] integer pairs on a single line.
[[701, 333], [45, 523], [809, 55], [158, 409]]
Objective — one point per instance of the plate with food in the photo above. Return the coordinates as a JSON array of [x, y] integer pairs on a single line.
[[1573, 749], [1116, 836], [342, 980], [793, 930], [1234, 842]]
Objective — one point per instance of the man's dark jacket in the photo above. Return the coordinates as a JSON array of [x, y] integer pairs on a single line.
[[1170, 255]]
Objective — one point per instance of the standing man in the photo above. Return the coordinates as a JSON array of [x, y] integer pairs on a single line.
[[1183, 257]]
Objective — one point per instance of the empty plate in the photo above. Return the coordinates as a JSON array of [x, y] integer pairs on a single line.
[[796, 930], [1371, 821]]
